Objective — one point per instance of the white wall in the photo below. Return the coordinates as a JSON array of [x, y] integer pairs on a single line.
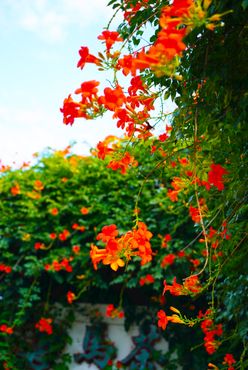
[[116, 333]]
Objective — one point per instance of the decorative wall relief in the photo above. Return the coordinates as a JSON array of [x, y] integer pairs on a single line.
[[101, 352], [98, 349]]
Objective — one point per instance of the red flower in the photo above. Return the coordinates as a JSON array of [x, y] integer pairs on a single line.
[[163, 321], [136, 84], [123, 164], [39, 245], [215, 176], [5, 268], [57, 266], [64, 235], [103, 150], [6, 329], [78, 227], [44, 325], [70, 297], [163, 137], [166, 239], [229, 360], [190, 286], [71, 110], [76, 249], [38, 185], [65, 264], [84, 210], [211, 331], [126, 64], [110, 308], [88, 90], [85, 57], [107, 233], [113, 98], [173, 195], [54, 211], [52, 236], [148, 279], [168, 260], [195, 214], [110, 37], [183, 161], [15, 190], [113, 312], [181, 254]]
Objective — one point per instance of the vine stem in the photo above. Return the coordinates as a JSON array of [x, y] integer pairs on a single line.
[[22, 311], [197, 199]]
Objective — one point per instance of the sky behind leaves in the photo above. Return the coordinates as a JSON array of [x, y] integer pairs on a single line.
[[40, 40]]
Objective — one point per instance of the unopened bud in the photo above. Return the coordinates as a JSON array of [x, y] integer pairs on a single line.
[[175, 310]]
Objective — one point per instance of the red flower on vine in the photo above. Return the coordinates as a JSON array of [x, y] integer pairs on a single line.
[[86, 57], [166, 239], [5, 268], [64, 235], [229, 360], [84, 210], [173, 195], [113, 312], [6, 329], [44, 325], [76, 249], [108, 232], [54, 211], [53, 236], [123, 164], [113, 98], [70, 297], [88, 90], [39, 245], [71, 110], [103, 150], [148, 279], [211, 331], [110, 38], [15, 190], [38, 185], [163, 320], [215, 176], [191, 286], [168, 260]]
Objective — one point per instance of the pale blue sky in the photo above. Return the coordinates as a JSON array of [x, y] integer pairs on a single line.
[[40, 40]]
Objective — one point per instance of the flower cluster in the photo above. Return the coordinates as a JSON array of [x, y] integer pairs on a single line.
[[210, 330], [146, 280], [190, 286], [6, 329], [214, 237], [15, 190], [113, 312], [229, 360], [70, 297], [44, 325], [135, 242], [57, 266], [5, 268], [164, 319]]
